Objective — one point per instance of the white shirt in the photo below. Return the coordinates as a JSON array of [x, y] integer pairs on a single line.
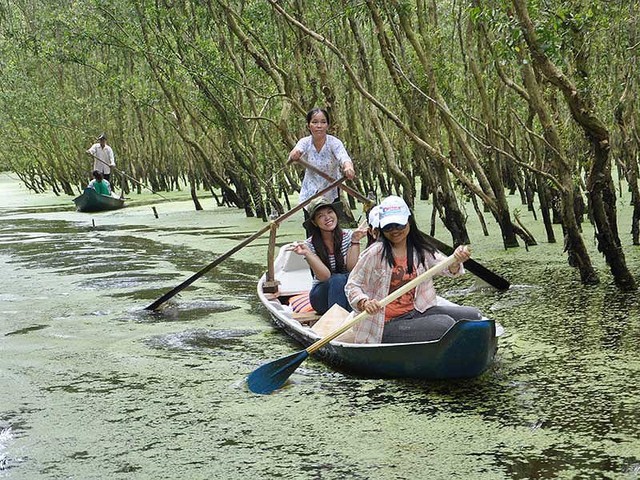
[[106, 155], [329, 159]]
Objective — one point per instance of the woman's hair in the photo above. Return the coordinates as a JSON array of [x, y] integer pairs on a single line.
[[321, 250], [416, 242], [313, 111]]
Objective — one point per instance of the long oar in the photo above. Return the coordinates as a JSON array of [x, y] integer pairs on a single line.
[[273, 375], [242, 244], [128, 176], [474, 267]]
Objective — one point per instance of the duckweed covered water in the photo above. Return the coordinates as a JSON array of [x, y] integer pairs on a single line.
[[95, 387]]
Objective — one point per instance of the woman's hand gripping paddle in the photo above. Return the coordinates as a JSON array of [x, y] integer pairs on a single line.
[[273, 375]]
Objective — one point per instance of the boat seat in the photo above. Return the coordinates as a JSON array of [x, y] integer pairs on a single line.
[[292, 271], [307, 318]]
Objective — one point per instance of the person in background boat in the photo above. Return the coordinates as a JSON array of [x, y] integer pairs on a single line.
[[402, 253], [99, 184], [103, 158], [373, 232], [331, 253], [324, 152]]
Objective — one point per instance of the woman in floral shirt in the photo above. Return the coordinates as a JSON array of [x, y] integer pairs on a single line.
[[402, 253], [324, 152]]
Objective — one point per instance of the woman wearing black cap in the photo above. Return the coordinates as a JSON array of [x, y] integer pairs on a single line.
[[331, 253]]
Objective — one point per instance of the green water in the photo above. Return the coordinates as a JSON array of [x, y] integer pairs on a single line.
[[94, 387]]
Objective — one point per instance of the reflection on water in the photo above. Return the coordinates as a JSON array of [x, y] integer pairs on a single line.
[[26, 330], [94, 386], [205, 341]]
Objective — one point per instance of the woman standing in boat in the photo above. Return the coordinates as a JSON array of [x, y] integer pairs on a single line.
[[401, 254], [331, 254], [324, 152]]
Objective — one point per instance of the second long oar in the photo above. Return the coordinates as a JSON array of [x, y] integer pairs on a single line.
[[474, 267], [273, 375], [128, 176], [242, 244]]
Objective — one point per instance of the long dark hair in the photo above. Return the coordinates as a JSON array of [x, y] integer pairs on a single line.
[[321, 250], [416, 242], [313, 111]]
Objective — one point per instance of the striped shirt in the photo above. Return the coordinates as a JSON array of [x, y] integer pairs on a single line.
[[346, 244]]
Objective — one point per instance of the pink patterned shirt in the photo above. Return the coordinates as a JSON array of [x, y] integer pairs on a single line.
[[370, 279]]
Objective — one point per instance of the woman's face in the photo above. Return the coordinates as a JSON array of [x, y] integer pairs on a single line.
[[326, 219], [318, 124], [395, 233]]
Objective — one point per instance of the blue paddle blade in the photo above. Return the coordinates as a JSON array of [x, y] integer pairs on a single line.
[[271, 376]]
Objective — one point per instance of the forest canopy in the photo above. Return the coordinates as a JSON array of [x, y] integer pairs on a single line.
[[448, 100]]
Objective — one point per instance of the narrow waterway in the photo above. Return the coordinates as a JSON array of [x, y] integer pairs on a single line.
[[94, 387]]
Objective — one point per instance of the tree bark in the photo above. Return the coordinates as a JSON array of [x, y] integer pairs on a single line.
[[600, 188]]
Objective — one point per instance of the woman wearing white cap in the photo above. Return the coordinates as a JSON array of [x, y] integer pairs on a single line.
[[402, 253]]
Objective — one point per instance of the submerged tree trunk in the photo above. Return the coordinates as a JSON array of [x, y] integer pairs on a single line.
[[600, 188], [624, 115], [573, 241]]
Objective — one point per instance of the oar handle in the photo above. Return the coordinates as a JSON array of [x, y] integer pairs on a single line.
[[119, 170], [240, 245], [474, 267], [385, 301], [326, 176]]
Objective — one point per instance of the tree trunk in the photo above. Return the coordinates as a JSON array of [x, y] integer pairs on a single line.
[[600, 188]]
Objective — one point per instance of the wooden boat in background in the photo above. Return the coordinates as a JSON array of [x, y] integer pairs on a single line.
[[92, 201], [466, 349]]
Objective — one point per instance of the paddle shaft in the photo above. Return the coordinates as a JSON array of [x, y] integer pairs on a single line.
[[385, 301], [128, 176], [354, 193], [474, 267], [239, 246]]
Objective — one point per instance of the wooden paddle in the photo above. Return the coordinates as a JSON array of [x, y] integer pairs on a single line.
[[239, 246], [273, 375], [474, 267]]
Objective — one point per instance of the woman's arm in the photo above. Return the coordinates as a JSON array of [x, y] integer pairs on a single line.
[[356, 247], [294, 155], [361, 279], [349, 171], [298, 150], [343, 157], [320, 270]]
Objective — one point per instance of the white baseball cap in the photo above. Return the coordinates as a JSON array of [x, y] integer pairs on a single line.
[[393, 210]]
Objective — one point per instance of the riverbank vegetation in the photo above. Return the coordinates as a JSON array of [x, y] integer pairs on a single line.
[[444, 100]]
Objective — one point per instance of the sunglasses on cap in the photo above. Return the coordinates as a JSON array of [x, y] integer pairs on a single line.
[[393, 226]]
